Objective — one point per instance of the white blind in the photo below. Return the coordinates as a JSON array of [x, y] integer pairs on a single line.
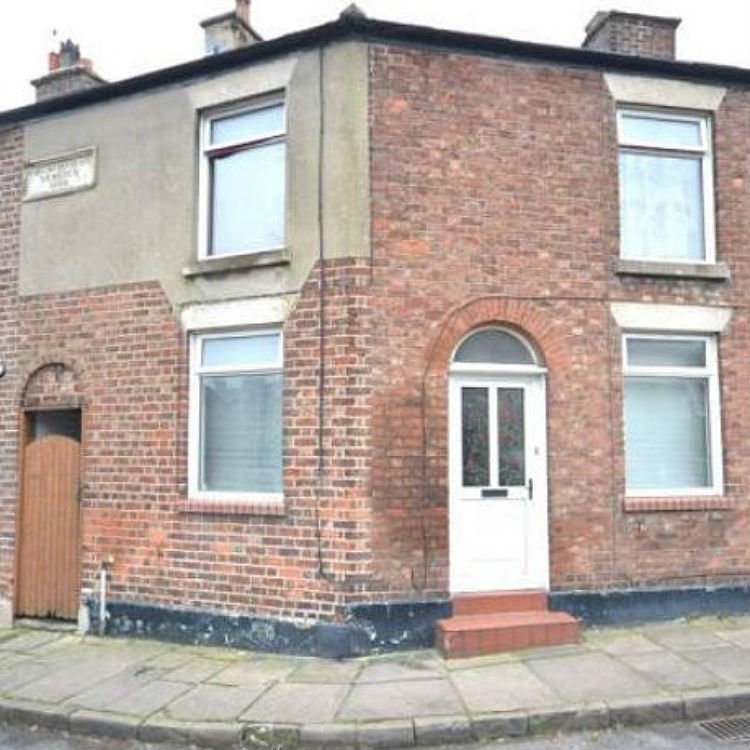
[[241, 433], [666, 433]]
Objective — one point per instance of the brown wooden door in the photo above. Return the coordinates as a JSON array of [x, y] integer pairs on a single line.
[[49, 529]]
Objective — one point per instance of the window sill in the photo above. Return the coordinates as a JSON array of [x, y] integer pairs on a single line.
[[233, 507], [233, 263], [687, 502], [704, 271]]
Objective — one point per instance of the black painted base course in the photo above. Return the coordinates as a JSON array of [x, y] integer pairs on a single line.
[[379, 627], [632, 606]]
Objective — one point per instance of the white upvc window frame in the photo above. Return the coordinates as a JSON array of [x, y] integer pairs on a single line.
[[710, 372], [489, 368], [209, 151], [705, 151], [197, 370]]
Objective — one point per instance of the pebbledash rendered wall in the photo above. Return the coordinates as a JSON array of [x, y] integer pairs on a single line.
[[487, 189]]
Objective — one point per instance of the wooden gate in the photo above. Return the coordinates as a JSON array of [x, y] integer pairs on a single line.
[[49, 529]]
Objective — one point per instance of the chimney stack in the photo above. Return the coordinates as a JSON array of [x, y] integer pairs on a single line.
[[68, 73], [230, 30], [632, 34]]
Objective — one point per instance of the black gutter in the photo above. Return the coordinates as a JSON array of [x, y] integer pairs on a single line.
[[350, 25], [453, 41], [203, 66]]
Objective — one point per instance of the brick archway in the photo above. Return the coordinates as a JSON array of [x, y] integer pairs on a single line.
[[52, 384], [524, 317]]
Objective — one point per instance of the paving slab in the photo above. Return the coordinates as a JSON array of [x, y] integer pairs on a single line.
[[62, 654], [224, 653], [170, 659], [297, 704], [159, 691], [739, 636], [60, 684], [563, 649], [29, 640], [590, 677], [475, 662], [324, 670], [729, 663], [196, 670], [254, 671], [503, 687], [60, 645], [152, 697], [213, 703], [670, 670], [396, 670], [20, 672], [683, 638], [104, 694], [394, 700], [622, 643]]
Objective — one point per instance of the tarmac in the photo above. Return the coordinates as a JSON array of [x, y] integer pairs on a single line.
[[214, 697]]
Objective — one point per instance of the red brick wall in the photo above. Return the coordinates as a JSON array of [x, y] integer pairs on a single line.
[[495, 200], [125, 363], [11, 159]]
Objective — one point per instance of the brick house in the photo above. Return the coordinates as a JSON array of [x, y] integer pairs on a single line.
[[304, 338]]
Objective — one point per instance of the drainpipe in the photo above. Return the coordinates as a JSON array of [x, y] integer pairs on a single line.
[[103, 580]]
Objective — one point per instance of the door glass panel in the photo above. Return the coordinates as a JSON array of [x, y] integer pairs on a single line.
[[475, 435], [510, 437]]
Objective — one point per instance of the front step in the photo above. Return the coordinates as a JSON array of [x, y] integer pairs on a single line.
[[492, 622], [494, 602]]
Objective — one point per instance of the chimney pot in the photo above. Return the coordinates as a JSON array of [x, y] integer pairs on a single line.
[[242, 11], [632, 34]]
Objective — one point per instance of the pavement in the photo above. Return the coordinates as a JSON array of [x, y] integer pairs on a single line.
[[161, 692]]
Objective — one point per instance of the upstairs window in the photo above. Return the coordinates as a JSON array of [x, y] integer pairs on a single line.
[[666, 187], [244, 184], [672, 430]]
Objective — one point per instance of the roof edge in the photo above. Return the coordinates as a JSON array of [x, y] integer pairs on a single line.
[[375, 31]]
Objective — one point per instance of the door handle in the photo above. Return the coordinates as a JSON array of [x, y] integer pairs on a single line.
[[530, 487]]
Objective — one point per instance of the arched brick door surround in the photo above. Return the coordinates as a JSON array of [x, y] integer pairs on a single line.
[[531, 321]]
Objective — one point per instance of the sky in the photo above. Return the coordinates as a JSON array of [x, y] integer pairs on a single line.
[[130, 37]]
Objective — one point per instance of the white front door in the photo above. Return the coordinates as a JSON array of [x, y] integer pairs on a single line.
[[498, 483]]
